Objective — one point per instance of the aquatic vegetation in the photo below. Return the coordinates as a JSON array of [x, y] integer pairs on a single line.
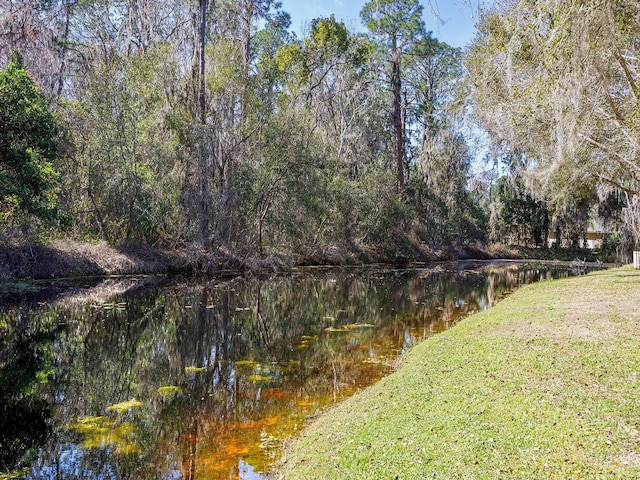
[[353, 326], [349, 327], [260, 378], [19, 475], [124, 406], [336, 329], [169, 391], [246, 363], [106, 433]]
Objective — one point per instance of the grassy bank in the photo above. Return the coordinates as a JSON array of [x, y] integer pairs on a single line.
[[544, 385]]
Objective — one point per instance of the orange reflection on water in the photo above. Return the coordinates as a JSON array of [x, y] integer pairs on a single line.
[[222, 445]]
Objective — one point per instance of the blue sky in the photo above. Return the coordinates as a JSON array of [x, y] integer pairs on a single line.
[[452, 23]]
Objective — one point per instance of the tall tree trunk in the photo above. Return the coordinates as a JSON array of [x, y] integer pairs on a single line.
[[247, 19], [405, 108], [203, 155], [247, 13], [396, 88], [63, 48], [202, 100]]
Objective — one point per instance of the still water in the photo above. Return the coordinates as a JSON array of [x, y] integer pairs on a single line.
[[185, 379]]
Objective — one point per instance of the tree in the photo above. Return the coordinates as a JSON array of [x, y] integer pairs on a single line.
[[266, 45], [434, 74], [558, 81], [28, 146], [124, 178], [209, 121], [40, 31], [399, 24], [521, 219]]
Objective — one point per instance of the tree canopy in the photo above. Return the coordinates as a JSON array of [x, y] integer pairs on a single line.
[[213, 123], [557, 82], [28, 146]]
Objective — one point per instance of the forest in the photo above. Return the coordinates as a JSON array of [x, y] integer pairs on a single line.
[[172, 124]]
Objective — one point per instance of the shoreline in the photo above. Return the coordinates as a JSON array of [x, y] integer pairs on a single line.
[[537, 386], [71, 259]]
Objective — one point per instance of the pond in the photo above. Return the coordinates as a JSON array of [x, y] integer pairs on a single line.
[[194, 379]]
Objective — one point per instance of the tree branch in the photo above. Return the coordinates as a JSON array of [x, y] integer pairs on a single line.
[[627, 74], [615, 184], [614, 109], [627, 165]]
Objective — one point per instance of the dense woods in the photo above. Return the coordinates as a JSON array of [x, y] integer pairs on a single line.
[[166, 124]]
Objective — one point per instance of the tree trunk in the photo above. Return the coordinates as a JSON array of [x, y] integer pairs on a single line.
[[202, 100], [63, 48], [203, 174], [396, 88], [247, 19], [405, 107]]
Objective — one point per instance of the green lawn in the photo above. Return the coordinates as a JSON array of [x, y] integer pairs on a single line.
[[546, 384]]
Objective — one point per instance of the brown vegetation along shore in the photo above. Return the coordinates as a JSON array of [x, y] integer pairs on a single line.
[[65, 258], [75, 259]]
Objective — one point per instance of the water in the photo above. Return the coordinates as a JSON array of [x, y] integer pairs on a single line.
[[185, 379]]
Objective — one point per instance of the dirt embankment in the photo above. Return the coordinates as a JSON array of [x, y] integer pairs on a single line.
[[66, 258], [75, 259]]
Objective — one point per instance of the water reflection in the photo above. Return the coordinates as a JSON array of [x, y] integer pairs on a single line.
[[189, 380]]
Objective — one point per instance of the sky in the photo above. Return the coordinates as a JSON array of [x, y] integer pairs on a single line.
[[450, 21]]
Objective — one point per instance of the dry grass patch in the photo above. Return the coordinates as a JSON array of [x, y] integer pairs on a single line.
[[575, 311]]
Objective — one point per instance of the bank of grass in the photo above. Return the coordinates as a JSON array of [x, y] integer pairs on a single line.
[[546, 384]]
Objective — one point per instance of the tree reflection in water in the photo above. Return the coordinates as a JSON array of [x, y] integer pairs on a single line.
[[186, 379]]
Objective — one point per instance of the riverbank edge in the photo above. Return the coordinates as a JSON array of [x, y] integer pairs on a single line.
[[542, 385], [69, 259]]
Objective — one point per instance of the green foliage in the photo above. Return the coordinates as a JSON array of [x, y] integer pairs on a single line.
[[306, 64], [521, 219], [290, 61], [29, 146], [125, 189], [271, 65], [280, 200], [457, 218], [611, 248], [329, 37], [392, 17]]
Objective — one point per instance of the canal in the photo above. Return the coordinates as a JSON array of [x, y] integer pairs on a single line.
[[182, 378]]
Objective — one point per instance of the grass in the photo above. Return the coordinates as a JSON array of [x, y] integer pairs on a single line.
[[546, 384]]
